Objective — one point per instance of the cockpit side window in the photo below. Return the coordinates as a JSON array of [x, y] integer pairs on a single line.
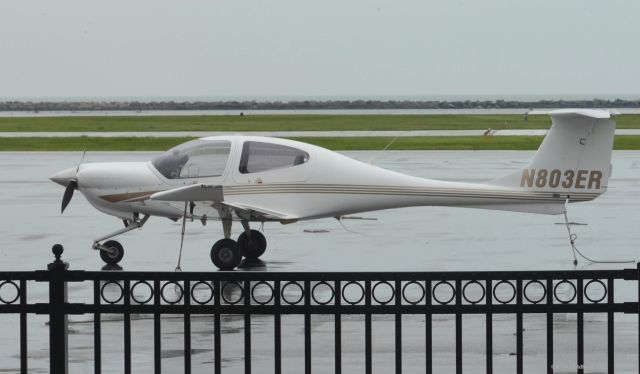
[[197, 158], [259, 156]]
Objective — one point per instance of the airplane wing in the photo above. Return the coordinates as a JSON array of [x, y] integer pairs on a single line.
[[253, 212], [215, 195], [194, 192]]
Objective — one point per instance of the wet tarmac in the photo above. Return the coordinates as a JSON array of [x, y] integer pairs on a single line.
[[411, 239]]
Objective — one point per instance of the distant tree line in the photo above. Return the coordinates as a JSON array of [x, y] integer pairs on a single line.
[[33, 106]]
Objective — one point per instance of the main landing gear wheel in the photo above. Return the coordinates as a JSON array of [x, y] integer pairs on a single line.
[[252, 247], [113, 254], [226, 254]]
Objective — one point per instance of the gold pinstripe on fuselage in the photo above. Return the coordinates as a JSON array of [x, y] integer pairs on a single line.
[[487, 193], [405, 191]]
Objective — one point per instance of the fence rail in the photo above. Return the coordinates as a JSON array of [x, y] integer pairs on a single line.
[[307, 294]]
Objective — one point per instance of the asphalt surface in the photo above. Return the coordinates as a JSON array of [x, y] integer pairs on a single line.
[[412, 239]]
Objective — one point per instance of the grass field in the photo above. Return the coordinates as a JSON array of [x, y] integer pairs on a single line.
[[287, 123], [356, 143]]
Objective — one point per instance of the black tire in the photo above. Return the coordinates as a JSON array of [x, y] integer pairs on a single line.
[[115, 253], [226, 254], [252, 248]]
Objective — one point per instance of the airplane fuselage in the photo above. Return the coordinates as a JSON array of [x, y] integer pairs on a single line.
[[328, 184]]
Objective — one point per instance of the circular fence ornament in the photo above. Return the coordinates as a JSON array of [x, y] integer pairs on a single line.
[[262, 293], [200, 297], [138, 285], [111, 300], [469, 287], [529, 291], [448, 286], [589, 287], [506, 286], [9, 292], [413, 289], [571, 287], [351, 288], [386, 288], [177, 290], [320, 291], [293, 287], [231, 288]]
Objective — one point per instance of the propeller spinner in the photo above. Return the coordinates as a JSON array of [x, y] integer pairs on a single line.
[[68, 179]]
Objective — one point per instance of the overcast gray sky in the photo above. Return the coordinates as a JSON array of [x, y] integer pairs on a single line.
[[329, 48]]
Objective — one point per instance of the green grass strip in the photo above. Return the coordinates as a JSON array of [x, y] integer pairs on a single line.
[[288, 123], [354, 143], [90, 143]]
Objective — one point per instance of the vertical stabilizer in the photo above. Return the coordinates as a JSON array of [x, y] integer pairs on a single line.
[[574, 159]]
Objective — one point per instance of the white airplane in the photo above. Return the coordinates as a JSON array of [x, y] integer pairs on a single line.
[[254, 179]]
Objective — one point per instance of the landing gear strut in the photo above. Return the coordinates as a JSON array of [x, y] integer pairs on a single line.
[[111, 252]]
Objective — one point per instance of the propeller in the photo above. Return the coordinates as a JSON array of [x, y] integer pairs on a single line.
[[68, 194], [69, 178]]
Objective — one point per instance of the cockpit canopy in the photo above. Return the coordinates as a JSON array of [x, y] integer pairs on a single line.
[[197, 158], [208, 158]]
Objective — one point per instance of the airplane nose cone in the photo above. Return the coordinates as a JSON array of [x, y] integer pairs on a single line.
[[64, 177]]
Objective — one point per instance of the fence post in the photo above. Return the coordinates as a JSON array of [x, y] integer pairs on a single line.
[[58, 349]]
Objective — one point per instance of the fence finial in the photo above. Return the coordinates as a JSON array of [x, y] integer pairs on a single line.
[[57, 250]]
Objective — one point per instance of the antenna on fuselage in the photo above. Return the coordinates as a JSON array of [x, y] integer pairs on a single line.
[[390, 143], [385, 148], [84, 152]]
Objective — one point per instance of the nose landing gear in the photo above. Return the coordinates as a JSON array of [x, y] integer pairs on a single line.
[[111, 251]]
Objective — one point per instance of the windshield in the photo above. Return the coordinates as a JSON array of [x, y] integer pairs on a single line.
[[197, 158]]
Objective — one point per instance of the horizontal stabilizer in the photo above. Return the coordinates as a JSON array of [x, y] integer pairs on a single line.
[[575, 113], [591, 113], [194, 192]]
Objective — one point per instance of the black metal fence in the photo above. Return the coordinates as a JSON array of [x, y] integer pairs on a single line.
[[338, 294]]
